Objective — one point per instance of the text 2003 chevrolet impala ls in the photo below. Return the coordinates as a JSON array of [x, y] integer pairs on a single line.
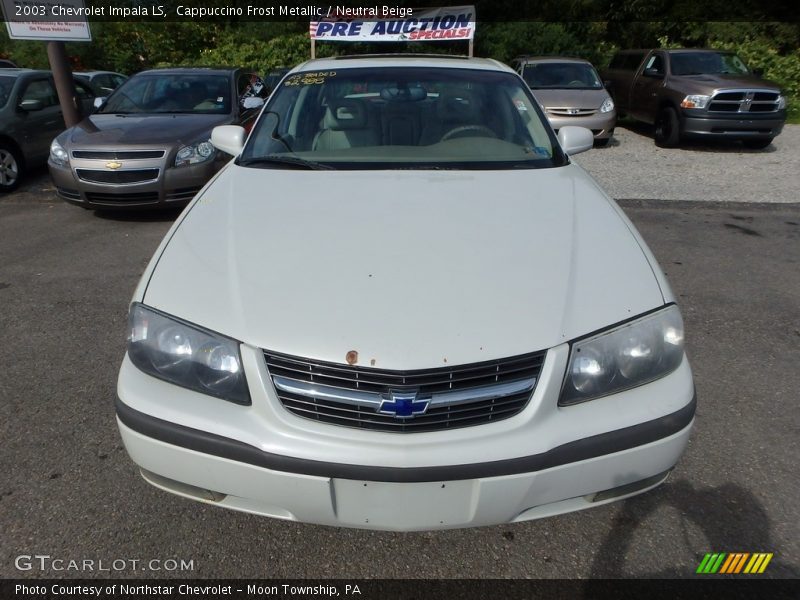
[[403, 307]]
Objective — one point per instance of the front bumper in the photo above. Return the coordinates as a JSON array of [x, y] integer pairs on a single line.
[[738, 126], [174, 187], [601, 124], [546, 460]]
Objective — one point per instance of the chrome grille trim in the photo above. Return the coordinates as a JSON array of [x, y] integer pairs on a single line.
[[353, 396], [744, 100], [118, 154]]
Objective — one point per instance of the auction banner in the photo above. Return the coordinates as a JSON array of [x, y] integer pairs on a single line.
[[356, 24]]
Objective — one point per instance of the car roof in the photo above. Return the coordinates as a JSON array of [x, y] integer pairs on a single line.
[[93, 73], [401, 60], [18, 72], [552, 59]]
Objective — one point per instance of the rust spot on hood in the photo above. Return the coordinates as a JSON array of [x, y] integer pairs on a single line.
[[351, 357]]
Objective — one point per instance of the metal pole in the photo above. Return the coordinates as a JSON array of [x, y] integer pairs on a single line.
[[313, 48], [471, 42], [65, 86]]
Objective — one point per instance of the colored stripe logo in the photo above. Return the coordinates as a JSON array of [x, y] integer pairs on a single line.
[[734, 563]]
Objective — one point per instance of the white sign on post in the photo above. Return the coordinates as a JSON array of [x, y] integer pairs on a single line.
[[62, 21]]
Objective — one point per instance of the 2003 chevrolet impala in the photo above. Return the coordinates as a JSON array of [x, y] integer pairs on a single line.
[[403, 307]]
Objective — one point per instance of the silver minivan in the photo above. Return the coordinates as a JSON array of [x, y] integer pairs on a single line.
[[571, 93]]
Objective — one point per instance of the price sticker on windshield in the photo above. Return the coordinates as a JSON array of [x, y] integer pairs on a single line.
[[315, 78]]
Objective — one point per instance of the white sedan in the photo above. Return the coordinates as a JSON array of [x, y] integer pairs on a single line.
[[402, 306]]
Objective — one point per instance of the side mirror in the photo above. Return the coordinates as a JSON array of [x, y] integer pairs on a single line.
[[228, 138], [575, 140], [99, 101], [758, 72], [31, 105], [252, 102], [651, 72]]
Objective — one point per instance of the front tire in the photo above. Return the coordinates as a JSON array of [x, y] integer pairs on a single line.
[[10, 168], [668, 129], [602, 143]]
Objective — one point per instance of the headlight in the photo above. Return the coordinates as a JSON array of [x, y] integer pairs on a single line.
[[58, 155], [781, 102], [196, 153], [695, 101], [624, 357], [607, 105], [186, 355]]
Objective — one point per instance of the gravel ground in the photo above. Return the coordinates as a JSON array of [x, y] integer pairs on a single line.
[[633, 167]]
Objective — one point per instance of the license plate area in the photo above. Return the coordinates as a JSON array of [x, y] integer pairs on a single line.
[[404, 505]]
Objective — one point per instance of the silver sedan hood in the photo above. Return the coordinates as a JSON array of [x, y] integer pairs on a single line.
[[411, 269]]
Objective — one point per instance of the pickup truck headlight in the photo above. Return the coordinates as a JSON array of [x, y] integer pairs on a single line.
[[781, 102], [607, 105], [58, 155], [186, 355], [695, 101], [624, 357], [195, 153]]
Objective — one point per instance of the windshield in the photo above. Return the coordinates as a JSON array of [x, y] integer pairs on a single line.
[[6, 84], [400, 117], [555, 75], [172, 93], [707, 63]]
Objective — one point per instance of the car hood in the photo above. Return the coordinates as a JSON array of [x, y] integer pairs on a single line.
[[705, 84], [115, 130], [570, 98], [411, 269]]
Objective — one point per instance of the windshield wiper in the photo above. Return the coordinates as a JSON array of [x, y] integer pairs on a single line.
[[283, 160]]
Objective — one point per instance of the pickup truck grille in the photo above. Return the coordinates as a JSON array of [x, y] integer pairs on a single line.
[[744, 101], [372, 399]]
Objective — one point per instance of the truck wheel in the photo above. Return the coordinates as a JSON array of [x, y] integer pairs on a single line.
[[602, 143], [10, 168], [668, 132], [757, 144]]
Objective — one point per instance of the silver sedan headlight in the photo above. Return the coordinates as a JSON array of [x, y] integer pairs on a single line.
[[624, 357], [58, 155], [195, 153], [186, 355]]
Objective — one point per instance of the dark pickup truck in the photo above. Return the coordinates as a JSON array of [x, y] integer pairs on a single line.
[[696, 93]]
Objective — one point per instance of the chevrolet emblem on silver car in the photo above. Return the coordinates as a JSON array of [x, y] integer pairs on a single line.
[[536, 366]]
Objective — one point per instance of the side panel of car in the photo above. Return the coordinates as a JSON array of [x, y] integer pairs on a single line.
[[646, 90]]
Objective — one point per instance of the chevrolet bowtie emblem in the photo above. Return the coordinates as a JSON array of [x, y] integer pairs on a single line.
[[113, 165]]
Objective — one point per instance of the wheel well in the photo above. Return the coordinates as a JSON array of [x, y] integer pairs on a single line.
[[7, 141]]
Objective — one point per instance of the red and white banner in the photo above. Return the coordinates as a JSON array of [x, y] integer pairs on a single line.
[[446, 23]]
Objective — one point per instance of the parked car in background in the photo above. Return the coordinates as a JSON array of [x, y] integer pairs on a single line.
[[102, 82], [571, 93], [7, 64], [696, 93], [148, 144], [30, 117], [273, 78], [403, 306]]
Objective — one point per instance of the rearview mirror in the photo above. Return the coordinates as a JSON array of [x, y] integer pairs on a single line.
[[575, 140], [228, 138]]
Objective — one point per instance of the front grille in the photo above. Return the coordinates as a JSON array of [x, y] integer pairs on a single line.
[[126, 155], [320, 380], [744, 101], [571, 112], [116, 199], [117, 177]]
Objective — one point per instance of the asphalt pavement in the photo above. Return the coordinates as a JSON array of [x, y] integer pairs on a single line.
[[69, 490]]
